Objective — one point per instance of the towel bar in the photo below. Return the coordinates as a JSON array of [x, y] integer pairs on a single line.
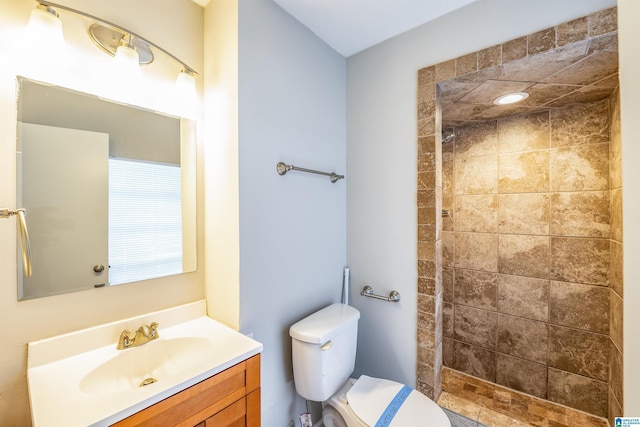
[[283, 168]]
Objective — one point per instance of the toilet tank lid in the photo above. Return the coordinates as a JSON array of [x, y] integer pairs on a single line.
[[321, 326]]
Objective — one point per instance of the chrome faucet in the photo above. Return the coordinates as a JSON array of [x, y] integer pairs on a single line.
[[143, 335]]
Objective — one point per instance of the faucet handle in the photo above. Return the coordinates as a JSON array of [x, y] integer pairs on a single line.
[[154, 330], [124, 341]]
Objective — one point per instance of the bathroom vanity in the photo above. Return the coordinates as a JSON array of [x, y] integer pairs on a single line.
[[230, 398], [196, 372]]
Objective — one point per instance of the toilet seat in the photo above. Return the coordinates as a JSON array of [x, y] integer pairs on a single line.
[[362, 402]]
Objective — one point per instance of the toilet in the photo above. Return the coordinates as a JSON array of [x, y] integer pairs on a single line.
[[324, 354]]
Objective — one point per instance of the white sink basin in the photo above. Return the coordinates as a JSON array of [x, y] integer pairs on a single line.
[[83, 374], [157, 360]]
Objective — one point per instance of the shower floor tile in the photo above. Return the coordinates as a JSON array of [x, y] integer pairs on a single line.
[[486, 404]]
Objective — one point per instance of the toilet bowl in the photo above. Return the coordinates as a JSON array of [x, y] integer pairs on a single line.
[[323, 354], [365, 402]]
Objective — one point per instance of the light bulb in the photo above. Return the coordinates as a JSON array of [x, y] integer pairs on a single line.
[[45, 27], [186, 93], [127, 59], [511, 98], [186, 82]]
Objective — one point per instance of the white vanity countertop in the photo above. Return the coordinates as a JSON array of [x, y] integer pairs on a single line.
[[65, 372]]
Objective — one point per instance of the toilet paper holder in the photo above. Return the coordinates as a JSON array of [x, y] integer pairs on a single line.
[[367, 291]]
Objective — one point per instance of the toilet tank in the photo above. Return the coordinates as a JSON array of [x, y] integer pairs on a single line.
[[324, 351]]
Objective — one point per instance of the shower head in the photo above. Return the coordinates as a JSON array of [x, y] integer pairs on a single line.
[[447, 137]]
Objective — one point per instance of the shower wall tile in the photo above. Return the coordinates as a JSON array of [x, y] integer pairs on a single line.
[[426, 268], [447, 320], [615, 151], [445, 70], [490, 57], [616, 276], [448, 277], [477, 139], [477, 289], [579, 392], [475, 326], [522, 375], [602, 22], [526, 132], [580, 124], [447, 351], [616, 372], [523, 338], [467, 64], [579, 352], [616, 313], [572, 31], [526, 213], [616, 214], [427, 145], [426, 198], [448, 182], [580, 168], [615, 409], [426, 179], [438, 213], [542, 41], [523, 297], [427, 285], [448, 221], [514, 49], [427, 75], [426, 85], [524, 172], [426, 122], [580, 260], [579, 306], [477, 213], [474, 360], [539, 67], [476, 175], [426, 232], [522, 255], [580, 214], [476, 251], [448, 249]]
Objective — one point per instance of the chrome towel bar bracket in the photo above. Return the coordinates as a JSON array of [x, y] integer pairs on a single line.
[[283, 168], [367, 291]]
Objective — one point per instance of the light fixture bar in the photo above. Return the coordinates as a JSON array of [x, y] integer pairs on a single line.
[[109, 39], [117, 28]]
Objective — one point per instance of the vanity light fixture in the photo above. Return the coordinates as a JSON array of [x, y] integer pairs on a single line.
[[126, 46], [511, 98]]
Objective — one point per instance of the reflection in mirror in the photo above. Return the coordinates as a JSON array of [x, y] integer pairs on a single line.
[[109, 191]]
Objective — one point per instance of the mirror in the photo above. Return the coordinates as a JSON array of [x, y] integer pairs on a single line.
[[109, 191]]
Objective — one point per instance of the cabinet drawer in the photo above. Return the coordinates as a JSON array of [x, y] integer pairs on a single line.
[[232, 416], [203, 400]]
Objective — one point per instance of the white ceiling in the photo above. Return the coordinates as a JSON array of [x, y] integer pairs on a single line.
[[350, 26]]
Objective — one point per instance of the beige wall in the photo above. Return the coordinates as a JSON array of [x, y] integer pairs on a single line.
[[526, 253], [629, 40], [222, 240], [20, 322]]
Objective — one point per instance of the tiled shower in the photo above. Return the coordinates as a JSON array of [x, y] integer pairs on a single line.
[[520, 219]]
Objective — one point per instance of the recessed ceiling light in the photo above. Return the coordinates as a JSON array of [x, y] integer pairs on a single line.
[[511, 98]]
